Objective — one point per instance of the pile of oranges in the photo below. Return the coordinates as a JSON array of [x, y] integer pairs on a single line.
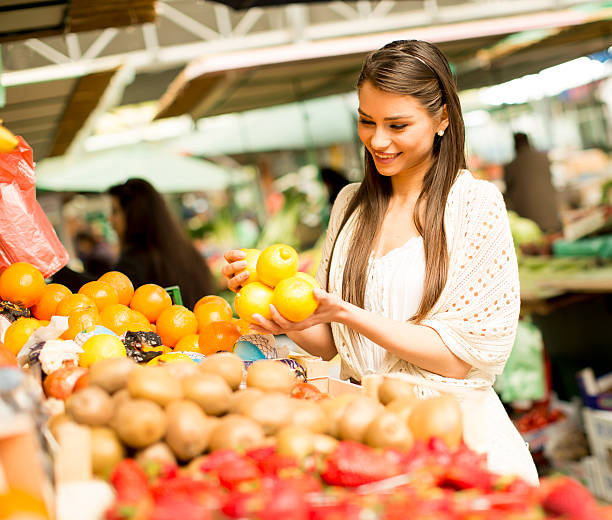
[[112, 302], [274, 279]]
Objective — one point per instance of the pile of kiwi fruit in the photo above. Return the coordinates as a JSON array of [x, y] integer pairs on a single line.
[[177, 412]]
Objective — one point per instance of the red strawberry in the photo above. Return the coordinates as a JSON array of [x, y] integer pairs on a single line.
[[130, 482], [232, 473], [354, 464], [216, 459], [566, 496]]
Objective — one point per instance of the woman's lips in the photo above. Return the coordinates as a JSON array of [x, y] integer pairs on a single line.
[[385, 158]]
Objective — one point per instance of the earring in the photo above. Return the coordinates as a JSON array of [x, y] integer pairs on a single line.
[[440, 133]]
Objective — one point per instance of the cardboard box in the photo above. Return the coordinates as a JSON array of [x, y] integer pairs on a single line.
[[598, 427], [333, 386]]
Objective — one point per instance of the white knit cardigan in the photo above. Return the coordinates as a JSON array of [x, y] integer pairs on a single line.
[[477, 313]]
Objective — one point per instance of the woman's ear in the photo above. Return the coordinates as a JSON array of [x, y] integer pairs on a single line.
[[443, 125]]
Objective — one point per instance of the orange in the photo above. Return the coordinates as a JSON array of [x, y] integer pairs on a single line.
[[115, 317], [15, 503], [102, 293], [141, 319], [294, 298], [212, 298], [251, 259], [254, 298], [18, 333], [7, 358], [170, 357], [121, 283], [243, 325], [22, 283], [276, 262], [189, 343], [151, 300], [218, 335], [174, 323], [99, 347], [84, 320], [47, 305], [310, 279], [211, 311], [74, 302]]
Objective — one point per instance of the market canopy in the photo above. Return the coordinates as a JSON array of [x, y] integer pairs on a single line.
[[97, 172]]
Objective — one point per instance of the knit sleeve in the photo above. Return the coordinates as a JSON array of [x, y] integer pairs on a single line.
[[477, 313], [337, 214]]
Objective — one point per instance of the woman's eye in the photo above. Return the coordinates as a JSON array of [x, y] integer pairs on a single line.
[[366, 122], [398, 127]]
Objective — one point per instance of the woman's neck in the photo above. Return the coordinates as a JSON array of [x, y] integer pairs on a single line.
[[407, 186]]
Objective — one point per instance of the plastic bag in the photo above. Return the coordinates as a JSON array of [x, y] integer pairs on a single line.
[[26, 235], [524, 377]]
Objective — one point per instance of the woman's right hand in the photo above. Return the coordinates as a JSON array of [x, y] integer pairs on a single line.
[[231, 271]]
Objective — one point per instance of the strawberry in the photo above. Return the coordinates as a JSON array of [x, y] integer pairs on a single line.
[[354, 464], [565, 496], [232, 473], [134, 499], [216, 459]]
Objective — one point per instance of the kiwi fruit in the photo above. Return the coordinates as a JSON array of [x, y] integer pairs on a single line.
[[139, 422], [271, 376], [437, 417], [402, 407], [357, 416], [210, 391], [91, 406], [272, 411], [294, 442], [334, 408], [242, 400], [227, 365], [388, 431], [182, 369], [235, 432], [393, 388], [188, 430], [106, 451], [323, 444], [111, 374], [309, 415], [155, 384], [159, 453]]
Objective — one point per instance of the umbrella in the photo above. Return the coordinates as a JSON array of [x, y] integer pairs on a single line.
[[96, 172]]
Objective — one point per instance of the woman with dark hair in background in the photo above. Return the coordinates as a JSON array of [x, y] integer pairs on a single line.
[[153, 247], [419, 266]]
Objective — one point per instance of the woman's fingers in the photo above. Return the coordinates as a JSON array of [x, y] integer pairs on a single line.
[[233, 255], [231, 270]]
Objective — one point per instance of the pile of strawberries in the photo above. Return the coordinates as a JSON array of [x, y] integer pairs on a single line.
[[353, 482]]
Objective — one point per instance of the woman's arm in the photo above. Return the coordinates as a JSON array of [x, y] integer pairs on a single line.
[[316, 340]]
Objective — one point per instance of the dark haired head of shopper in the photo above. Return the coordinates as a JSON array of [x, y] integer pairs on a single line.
[[154, 247]]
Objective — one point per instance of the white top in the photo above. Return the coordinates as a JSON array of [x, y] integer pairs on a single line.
[[476, 315]]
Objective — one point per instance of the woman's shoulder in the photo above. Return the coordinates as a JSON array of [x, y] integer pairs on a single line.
[[343, 199], [468, 189]]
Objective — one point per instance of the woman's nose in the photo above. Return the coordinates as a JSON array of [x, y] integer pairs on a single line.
[[380, 139]]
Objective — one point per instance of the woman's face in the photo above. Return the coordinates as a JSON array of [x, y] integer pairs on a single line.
[[117, 218], [396, 130]]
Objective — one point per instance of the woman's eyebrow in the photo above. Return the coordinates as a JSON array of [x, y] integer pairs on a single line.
[[391, 118]]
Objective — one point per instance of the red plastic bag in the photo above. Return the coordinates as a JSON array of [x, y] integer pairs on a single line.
[[26, 235]]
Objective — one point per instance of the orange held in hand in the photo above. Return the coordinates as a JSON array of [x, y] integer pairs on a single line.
[[254, 298], [151, 300], [252, 255], [102, 293], [47, 305], [294, 298], [276, 262], [22, 283], [121, 283], [74, 302], [174, 323], [218, 335]]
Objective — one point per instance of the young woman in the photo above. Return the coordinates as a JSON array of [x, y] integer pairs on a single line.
[[419, 263], [154, 248]]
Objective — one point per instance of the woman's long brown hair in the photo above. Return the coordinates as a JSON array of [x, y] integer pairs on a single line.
[[418, 69]]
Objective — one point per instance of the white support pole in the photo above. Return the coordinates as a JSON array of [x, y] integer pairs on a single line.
[[73, 45], [186, 22], [100, 43], [343, 9], [149, 32], [46, 51], [246, 23], [224, 22]]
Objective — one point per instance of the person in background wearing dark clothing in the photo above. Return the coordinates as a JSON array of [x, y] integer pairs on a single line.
[[334, 182], [96, 258], [153, 247], [529, 188]]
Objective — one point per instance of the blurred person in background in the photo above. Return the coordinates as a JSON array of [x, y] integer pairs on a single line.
[[529, 188], [95, 255], [153, 246], [334, 181]]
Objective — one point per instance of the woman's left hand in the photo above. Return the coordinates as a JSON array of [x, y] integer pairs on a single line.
[[329, 309]]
